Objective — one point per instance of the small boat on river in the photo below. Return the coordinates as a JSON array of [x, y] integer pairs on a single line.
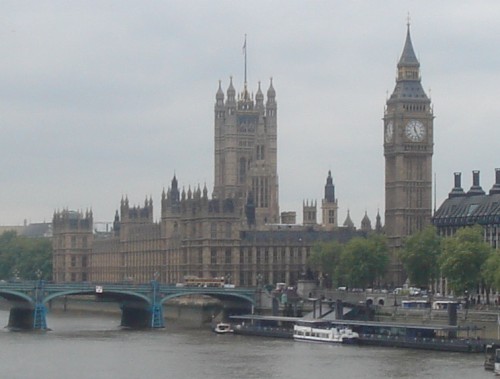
[[323, 331], [223, 328], [497, 363], [489, 356]]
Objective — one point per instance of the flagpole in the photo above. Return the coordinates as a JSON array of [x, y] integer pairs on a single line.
[[245, 52]]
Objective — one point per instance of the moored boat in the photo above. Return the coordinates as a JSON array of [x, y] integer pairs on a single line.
[[264, 326], [387, 334], [489, 356], [323, 331], [223, 328], [497, 362]]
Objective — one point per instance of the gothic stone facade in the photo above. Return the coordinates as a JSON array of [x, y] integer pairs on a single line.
[[196, 236]]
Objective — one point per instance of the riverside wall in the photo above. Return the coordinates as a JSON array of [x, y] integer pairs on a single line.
[[189, 311]]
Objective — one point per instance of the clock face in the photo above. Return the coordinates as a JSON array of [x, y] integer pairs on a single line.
[[389, 131], [415, 131]]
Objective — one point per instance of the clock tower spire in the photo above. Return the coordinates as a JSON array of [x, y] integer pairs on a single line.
[[408, 149]]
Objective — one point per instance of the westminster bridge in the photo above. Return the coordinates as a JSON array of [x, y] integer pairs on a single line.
[[141, 304]]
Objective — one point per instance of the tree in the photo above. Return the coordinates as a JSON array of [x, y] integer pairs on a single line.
[[491, 269], [325, 258], [463, 257], [420, 257], [23, 256], [364, 261]]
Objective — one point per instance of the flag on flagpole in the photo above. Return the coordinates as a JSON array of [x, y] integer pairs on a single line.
[[245, 45]]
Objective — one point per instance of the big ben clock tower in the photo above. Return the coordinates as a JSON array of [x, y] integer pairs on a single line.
[[408, 149]]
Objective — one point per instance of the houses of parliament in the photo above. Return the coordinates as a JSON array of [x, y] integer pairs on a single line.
[[237, 232]]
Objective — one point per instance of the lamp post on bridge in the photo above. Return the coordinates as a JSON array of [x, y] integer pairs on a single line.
[[157, 320], [15, 274], [258, 293], [40, 311], [155, 285]]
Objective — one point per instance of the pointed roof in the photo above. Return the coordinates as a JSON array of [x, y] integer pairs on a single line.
[[231, 92], [408, 84], [259, 96], [408, 57], [329, 179], [271, 92], [366, 223], [220, 94], [329, 188], [348, 222], [378, 224]]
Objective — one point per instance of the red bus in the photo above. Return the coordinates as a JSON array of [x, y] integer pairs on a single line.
[[193, 281]]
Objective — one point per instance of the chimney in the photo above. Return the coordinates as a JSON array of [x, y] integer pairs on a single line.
[[476, 188], [496, 187], [457, 191]]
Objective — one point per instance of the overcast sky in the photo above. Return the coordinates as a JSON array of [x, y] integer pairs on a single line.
[[102, 99]]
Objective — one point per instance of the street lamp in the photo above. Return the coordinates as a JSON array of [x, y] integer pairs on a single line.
[[15, 274], [39, 286], [259, 280]]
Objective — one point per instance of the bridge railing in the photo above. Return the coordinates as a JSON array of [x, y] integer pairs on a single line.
[[105, 286]]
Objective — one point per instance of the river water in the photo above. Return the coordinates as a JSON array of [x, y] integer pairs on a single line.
[[94, 347]]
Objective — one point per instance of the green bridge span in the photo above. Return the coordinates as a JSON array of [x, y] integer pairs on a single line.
[[141, 304]]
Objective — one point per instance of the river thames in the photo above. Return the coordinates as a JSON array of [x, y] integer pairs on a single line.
[[94, 347]]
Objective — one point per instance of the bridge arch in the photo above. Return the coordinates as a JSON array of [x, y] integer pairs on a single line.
[[10, 295], [215, 294], [110, 294], [136, 308]]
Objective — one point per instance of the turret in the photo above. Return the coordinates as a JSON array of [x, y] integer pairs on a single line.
[[329, 205], [309, 211], [348, 222], [378, 223], [271, 95], [72, 243], [259, 99], [219, 96], [231, 92], [329, 189], [366, 224], [116, 224]]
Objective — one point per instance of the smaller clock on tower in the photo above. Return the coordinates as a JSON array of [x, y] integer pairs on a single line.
[[389, 132]]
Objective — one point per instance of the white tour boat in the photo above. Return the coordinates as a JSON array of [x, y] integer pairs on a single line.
[[223, 328], [323, 331]]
